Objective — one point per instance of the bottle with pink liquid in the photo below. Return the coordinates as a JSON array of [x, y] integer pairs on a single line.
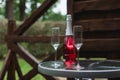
[[69, 46]]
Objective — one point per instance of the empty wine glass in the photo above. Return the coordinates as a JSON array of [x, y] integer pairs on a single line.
[[78, 37], [55, 43]]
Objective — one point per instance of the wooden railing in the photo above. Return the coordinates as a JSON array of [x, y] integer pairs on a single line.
[[14, 36]]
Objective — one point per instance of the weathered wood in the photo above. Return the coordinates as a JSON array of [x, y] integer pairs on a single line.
[[31, 60], [97, 14], [33, 72], [70, 8], [103, 42], [96, 54], [25, 55], [102, 45], [30, 39], [34, 16], [30, 74], [11, 68], [101, 34], [17, 67], [70, 3], [11, 28], [96, 5], [99, 24]]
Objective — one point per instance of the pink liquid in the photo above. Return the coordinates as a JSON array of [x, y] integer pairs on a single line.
[[69, 52]]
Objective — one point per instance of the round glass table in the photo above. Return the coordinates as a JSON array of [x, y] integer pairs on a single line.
[[92, 69]]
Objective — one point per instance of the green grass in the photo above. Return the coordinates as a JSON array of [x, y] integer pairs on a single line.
[[25, 67]]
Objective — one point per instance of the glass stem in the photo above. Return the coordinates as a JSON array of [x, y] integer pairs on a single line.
[[77, 56], [55, 55]]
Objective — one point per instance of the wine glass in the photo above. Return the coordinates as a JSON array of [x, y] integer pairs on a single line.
[[78, 37], [55, 43]]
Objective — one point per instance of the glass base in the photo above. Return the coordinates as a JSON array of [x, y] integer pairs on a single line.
[[83, 79], [78, 67], [57, 65]]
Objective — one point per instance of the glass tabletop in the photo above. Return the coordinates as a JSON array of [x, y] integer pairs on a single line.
[[92, 69]]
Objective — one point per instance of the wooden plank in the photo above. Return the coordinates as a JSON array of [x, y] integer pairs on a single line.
[[70, 9], [34, 16], [96, 5], [25, 55], [11, 68], [109, 43], [30, 74], [101, 45], [96, 54], [30, 39], [101, 48], [33, 72], [70, 6], [99, 24], [17, 67], [91, 34], [11, 26], [11, 29], [97, 14], [101, 34]]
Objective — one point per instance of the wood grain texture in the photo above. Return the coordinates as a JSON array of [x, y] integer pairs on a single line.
[[85, 5]]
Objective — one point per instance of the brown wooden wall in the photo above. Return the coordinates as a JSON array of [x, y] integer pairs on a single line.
[[100, 20]]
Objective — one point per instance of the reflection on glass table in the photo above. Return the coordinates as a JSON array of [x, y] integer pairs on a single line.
[[92, 69]]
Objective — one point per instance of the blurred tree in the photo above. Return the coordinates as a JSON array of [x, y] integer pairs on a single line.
[[52, 16], [9, 9], [20, 9]]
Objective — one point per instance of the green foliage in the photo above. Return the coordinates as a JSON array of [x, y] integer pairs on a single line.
[[25, 68], [16, 9], [44, 28], [33, 4], [54, 17], [3, 50], [40, 50], [39, 28], [3, 31]]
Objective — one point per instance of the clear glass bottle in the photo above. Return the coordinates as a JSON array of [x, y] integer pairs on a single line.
[[69, 47]]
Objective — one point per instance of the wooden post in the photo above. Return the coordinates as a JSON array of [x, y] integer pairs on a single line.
[[11, 67]]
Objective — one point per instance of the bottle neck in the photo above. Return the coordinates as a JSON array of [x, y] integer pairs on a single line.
[[69, 27]]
